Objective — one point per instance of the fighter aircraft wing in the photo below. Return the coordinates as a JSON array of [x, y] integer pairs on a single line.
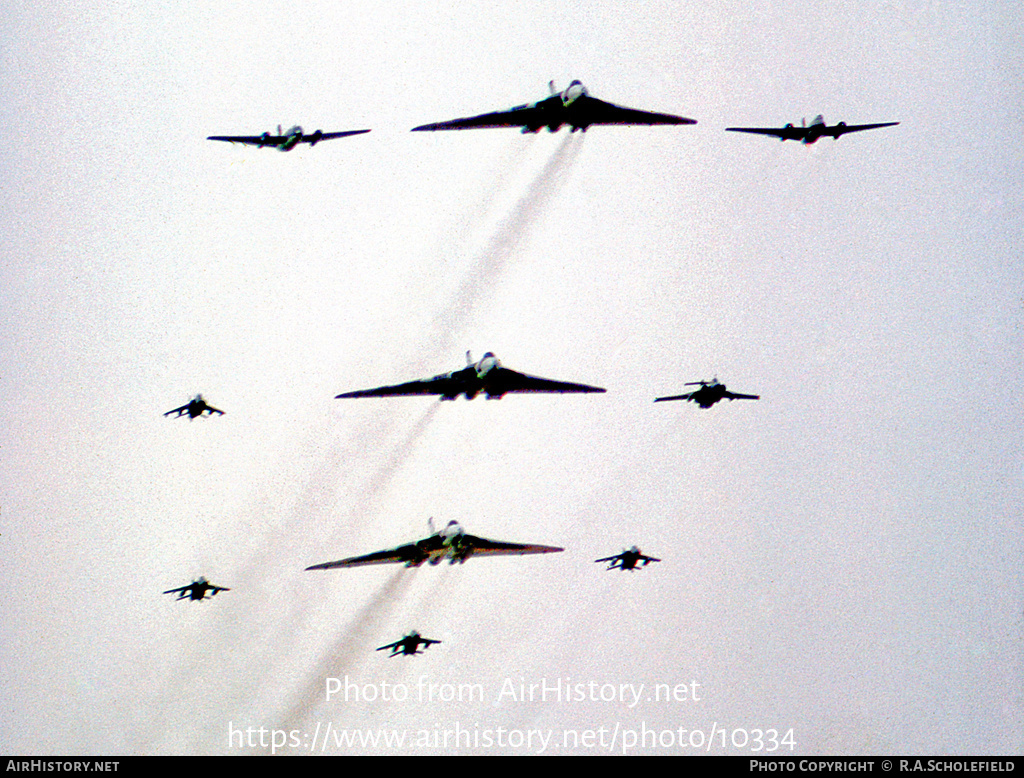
[[842, 129], [502, 380], [180, 590], [687, 396], [215, 589], [485, 547], [735, 396], [178, 411], [211, 409], [411, 553], [786, 133], [609, 558], [396, 644], [596, 111]]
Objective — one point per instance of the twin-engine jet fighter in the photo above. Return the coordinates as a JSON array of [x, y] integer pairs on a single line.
[[709, 393], [408, 645], [809, 135], [573, 106], [628, 560], [451, 543], [487, 376], [195, 407], [285, 141], [197, 590]]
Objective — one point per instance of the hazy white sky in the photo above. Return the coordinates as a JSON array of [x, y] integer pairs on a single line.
[[840, 559]]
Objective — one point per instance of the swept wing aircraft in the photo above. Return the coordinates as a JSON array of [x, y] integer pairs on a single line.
[[285, 141], [572, 106], [197, 590], [628, 560], [808, 135], [709, 393], [195, 407], [487, 376], [451, 543], [408, 645]]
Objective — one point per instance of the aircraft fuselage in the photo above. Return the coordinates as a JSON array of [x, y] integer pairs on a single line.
[[472, 379], [561, 109], [814, 132], [449, 543], [292, 139], [709, 394]]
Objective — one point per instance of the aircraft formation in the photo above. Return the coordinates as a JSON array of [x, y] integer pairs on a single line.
[[576, 109], [572, 107]]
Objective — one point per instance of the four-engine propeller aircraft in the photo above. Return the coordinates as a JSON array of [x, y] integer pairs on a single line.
[[487, 376], [197, 590], [709, 393], [408, 645], [572, 106], [451, 543], [285, 141], [196, 407], [628, 560], [809, 135]]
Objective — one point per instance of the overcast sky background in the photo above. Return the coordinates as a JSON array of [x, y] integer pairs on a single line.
[[841, 558]]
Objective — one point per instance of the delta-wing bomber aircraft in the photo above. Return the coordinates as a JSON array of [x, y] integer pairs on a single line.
[[487, 376], [451, 543], [808, 135], [285, 141], [573, 106]]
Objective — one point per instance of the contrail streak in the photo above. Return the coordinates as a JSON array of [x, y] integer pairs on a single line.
[[353, 644], [488, 267], [385, 474]]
